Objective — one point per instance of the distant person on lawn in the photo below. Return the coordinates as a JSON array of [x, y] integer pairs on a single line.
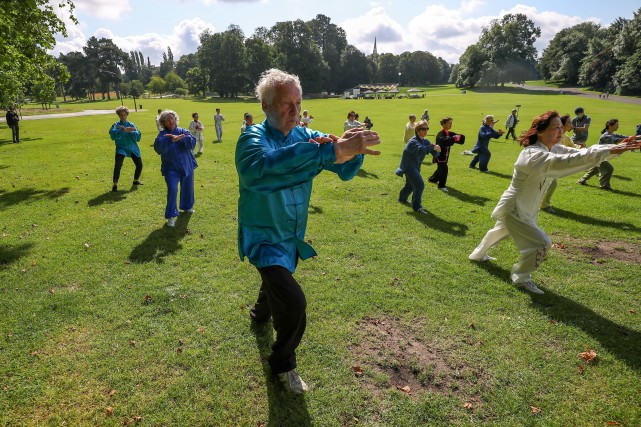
[[541, 160], [409, 128], [196, 128], [126, 136], [175, 146], [277, 161], [445, 139], [13, 121]]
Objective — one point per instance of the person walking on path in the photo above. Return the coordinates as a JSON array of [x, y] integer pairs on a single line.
[[175, 146], [13, 120], [277, 161], [605, 169], [196, 128], [444, 139], [126, 137], [218, 121], [516, 213], [481, 148], [510, 124], [413, 154]]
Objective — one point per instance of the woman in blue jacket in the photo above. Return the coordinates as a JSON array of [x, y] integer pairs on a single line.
[[413, 154], [481, 149], [175, 146], [126, 136]]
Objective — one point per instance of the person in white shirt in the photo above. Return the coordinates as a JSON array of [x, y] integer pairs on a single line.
[[196, 128], [351, 122], [306, 120], [218, 121], [516, 213]]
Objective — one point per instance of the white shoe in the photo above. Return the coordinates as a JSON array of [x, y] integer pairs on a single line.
[[444, 189], [484, 258], [530, 287], [192, 210], [171, 222], [293, 382]]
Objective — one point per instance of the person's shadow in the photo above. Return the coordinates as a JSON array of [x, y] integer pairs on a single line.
[[108, 197], [500, 175], [432, 221], [10, 254], [584, 219], [285, 408], [362, 173], [468, 198], [622, 342], [162, 242]]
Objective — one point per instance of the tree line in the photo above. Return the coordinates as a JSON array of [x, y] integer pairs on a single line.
[[229, 64]]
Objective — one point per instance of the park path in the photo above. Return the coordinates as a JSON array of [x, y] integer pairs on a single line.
[[579, 92], [60, 115]]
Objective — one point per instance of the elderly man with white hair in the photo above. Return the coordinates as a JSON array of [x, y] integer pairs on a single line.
[[276, 162]]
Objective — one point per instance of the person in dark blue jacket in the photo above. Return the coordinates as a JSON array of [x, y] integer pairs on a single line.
[[481, 149], [413, 154], [276, 162], [175, 146]]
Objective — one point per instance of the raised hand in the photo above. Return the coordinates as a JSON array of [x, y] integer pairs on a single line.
[[354, 142]]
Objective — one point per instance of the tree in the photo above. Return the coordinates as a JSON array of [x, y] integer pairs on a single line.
[[511, 40], [332, 43], [156, 85], [135, 89], [103, 62], [197, 81], [77, 86], [627, 49], [419, 68], [27, 29], [173, 82], [186, 63], [470, 67], [387, 68], [297, 53], [260, 57], [167, 63], [356, 68], [223, 56]]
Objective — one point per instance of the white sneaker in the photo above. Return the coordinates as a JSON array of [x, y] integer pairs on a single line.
[[484, 258], [444, 189], [171, 222], [293, 382], [530, 287], [192, 210]]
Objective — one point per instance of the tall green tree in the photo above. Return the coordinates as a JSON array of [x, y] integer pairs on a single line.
[[419, 68], [627, 49], [387, 71], [223, 56], [470, 69], [186, 63], [356, 68], [332, 43], [260, 57], [27, 29], [197, 81]]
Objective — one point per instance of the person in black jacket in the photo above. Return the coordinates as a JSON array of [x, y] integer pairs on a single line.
[[12, 122], [445, 139]]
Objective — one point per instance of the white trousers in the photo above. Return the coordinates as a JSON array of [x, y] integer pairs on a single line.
[[532, 242]]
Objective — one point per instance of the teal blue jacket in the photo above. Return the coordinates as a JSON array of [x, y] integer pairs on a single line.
[[126, 142], [275, 174]]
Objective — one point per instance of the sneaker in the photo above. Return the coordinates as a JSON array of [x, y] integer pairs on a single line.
[[136, 182], [582, 182], [293, 382], [484, 258], [549, 209], [530, 287], [192, 210], [171, 222], [444, 189], [421, 211], [114, 188]]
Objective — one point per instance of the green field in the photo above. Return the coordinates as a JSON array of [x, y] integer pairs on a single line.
[[111, 318]]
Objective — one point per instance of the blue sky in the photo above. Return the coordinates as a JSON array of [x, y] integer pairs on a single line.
[[442, 28]]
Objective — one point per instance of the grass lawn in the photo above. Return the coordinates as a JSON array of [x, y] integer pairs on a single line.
[[111, 318]]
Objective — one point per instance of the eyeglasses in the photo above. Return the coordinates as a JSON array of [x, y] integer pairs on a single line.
[[425, 129]]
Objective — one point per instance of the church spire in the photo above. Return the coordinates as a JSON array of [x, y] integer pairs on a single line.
[[375, 52]]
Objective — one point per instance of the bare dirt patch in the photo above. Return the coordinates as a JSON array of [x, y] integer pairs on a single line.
[[389, 354], [602, 250]]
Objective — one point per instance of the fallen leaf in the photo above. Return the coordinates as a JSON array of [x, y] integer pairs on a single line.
[[614, 423], [179, 350], [558, 246], [581, 369], [112, 392], [534, 409], [632, 311], [588, 355], [137, 419], [552, 322], [468, 405], [404, 389], [201, 330], [86, 246], [147, 299], [358, 371], [132, 343], [109, 410], [472, 326], [34, 353], [52, 290], [181, 341]]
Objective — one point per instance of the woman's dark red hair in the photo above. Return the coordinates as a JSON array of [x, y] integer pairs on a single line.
[[540, 123]]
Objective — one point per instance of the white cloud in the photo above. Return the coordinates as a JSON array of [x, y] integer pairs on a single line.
[[105, 9]]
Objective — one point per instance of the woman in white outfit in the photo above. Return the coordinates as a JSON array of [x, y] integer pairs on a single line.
[[196, 128], [540, 162]]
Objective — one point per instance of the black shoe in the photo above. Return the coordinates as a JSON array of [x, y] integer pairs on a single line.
[[256, 317], [136, 182], [114, 188]]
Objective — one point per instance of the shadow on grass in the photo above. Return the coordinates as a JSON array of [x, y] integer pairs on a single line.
[[315, 209], [432, 221], [162, 242], [362, 173], [285, 408], [584, 219], [467, 198], [500, 175], [622, 342], [622, 178], [29, 194], [10, 254], [108, 197]]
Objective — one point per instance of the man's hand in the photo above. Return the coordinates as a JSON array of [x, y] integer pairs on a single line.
[[437, 148], [625, 146], [354, 142]]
